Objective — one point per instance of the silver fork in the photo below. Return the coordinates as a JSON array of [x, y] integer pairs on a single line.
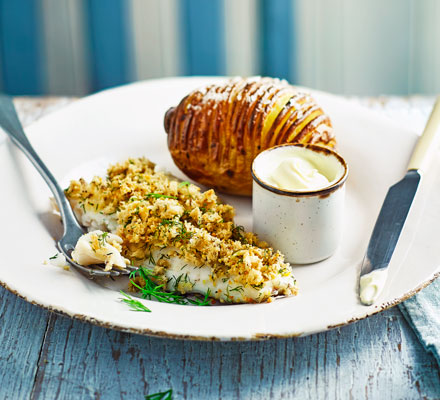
[[11, 125]]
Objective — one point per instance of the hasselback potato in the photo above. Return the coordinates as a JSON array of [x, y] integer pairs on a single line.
[[215, 132]]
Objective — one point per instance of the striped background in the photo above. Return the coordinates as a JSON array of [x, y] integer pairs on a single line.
[[360, 47]]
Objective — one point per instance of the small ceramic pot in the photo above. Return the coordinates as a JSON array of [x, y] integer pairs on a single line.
[[305, 225]]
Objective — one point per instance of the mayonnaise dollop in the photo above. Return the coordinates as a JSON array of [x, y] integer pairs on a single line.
[[296, 173], [371, 285]]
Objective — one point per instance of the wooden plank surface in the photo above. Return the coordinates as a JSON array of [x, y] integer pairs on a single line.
[[46, 356], [22, 330], [378, 358]]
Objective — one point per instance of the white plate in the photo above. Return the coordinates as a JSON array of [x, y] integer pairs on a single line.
[[127, 121]]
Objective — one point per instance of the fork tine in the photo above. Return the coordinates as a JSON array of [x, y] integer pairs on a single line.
[[94, 269]]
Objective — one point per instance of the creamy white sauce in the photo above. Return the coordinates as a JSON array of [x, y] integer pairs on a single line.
[[108, 254], [297, 173], [371, 285]]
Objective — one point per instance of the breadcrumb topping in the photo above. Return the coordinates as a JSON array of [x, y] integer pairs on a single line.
[[155, 211]]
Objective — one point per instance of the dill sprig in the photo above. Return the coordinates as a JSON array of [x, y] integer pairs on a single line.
[[183, 234], [184, 183], [237, 234], [238, 289], [101, 238], [159, 196], [151, 259], [187, 185], [167, 395], [135, 305], [152, 290], [200, 302]]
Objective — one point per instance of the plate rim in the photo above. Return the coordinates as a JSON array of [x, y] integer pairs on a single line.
[[253, 338], [157, 333]]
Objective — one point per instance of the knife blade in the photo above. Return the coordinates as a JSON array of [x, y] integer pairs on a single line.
[[393, 214]]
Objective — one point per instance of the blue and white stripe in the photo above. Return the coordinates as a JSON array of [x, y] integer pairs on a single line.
[[21, 47], [154, 34], [241, 30], [202, 36], [79, 46], [64, 36]]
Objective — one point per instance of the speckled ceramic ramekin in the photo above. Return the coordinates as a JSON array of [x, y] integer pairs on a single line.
[[304, 225]]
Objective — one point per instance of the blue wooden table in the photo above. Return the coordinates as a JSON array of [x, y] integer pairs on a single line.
[[47, 356]]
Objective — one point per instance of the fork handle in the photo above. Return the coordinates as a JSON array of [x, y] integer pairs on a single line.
[[10, 123]]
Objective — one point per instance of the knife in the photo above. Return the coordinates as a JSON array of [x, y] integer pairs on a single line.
[[393, 213]]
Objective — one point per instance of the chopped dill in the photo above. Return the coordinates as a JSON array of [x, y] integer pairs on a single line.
[[167, 395], [237, 234], [159, 196], [53, 257], [151, 259], [101, 238], [185, 214], [187, 185], [165, 222], [238, 289], [132, 274], [201, 302], [184, 183], [152, 290], [178, 279], [135, 305], [183, 234], [128, 222]]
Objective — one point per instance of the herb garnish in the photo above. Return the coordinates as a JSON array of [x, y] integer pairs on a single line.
[[159, 196], [259, 286], [135, 305], [238, 289], [128, 222], [151, 259], [187, 185], [152, 290], [101, 238], [237, 234], [160, 395], [183, 235], [53, 257]]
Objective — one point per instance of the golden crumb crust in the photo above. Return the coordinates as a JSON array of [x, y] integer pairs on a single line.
[[155, 211]]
